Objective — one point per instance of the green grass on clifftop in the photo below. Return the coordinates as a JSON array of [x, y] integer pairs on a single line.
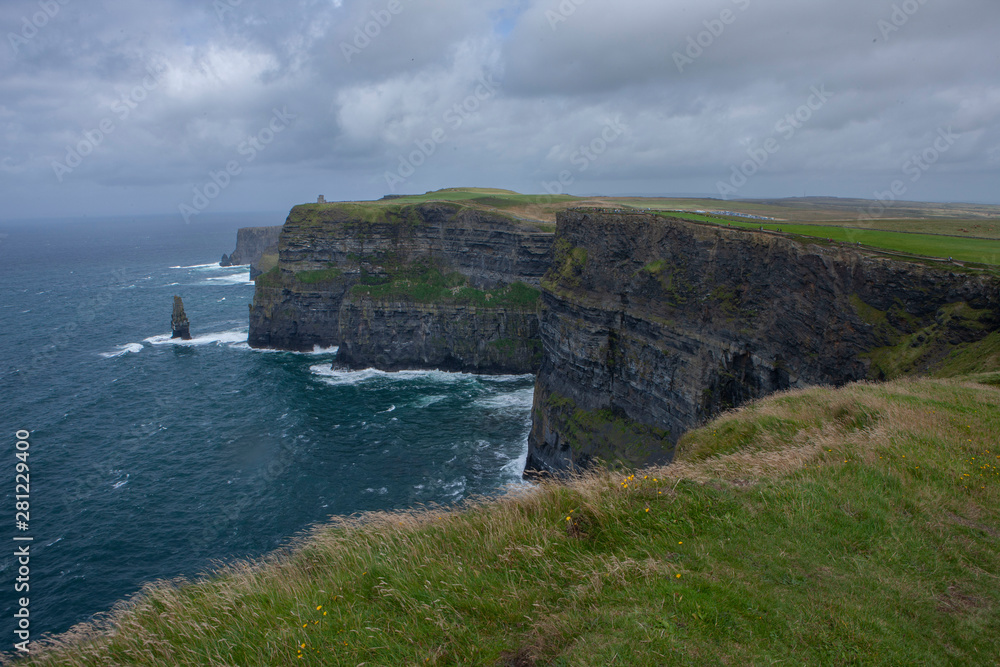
[[977, 250], [851, 526]]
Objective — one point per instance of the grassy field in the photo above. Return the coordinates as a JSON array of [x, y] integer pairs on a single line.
[[980, 251], [850, 526]]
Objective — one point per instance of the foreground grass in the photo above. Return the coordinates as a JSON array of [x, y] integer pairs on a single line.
[[859, 525]]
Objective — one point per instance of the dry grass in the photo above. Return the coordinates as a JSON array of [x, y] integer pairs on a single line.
[[820, 525]]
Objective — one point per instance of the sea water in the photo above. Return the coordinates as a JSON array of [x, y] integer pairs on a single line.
[[153, 458]]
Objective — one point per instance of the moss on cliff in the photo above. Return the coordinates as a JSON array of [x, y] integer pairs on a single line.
[[329, 274], [968, 358], [936, 347], [604, 435], [270, 278], [423, 281], [567, 266]]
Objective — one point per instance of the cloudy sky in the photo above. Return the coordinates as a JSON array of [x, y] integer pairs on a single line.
[[120, 107]]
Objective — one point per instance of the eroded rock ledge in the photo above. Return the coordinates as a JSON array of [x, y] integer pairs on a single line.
[[651, 325]]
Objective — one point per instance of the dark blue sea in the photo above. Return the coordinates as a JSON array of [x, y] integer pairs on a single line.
[[152, 459]]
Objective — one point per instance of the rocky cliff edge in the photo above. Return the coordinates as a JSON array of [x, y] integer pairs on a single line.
[[651, 325]]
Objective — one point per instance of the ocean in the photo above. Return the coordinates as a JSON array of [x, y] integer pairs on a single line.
[[151, 459]]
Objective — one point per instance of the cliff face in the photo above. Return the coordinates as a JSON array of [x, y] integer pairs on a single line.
[[652, 325], [393, 335], [425, 286], [252, 244]]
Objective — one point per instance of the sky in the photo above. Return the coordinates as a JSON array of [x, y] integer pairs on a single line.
[[115, 107]]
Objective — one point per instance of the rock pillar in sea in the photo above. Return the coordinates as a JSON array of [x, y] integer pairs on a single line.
[[225, 261], [179, 322]]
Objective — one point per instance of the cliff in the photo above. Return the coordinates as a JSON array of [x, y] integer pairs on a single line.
[[256, 246], [651, 325], [434, 285]]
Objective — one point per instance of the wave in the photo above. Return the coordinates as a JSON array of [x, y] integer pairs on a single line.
[[232, 338], [515, 400], [337, 378], [429, 400], [241, 278], [317, 351], [341, 377], [213, 265], [122, 350]]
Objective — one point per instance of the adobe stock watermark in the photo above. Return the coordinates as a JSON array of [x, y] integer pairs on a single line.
[[223, 7], [370, 30], [249, 149], [586, 155], [915, 166], [453, 118], [900, 16], [249, 500], [562, 12], [122, 109], [714, 28], [86, 312], [30, 26], [785, 130]]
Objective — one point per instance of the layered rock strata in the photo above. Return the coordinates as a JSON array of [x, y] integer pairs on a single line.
[[651, 325], [434, 285], [256, 246], [179, 325]]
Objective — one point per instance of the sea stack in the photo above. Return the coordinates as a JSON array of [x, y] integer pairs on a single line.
[[179, 321], [225, 261]]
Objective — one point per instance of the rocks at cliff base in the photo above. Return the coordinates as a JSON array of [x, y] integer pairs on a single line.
[[179, 325], [225, 261]]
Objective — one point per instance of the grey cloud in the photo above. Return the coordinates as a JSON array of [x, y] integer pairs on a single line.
[[359, 114]]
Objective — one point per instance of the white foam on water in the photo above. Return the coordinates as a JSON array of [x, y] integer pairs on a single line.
[[505, 378], [122, 350], [514, 468], [241, 278], [455, 488], [232, 338], [316, 351], [516, 400], [213, 265], [391, 408], [340, 377], [429, 400]]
